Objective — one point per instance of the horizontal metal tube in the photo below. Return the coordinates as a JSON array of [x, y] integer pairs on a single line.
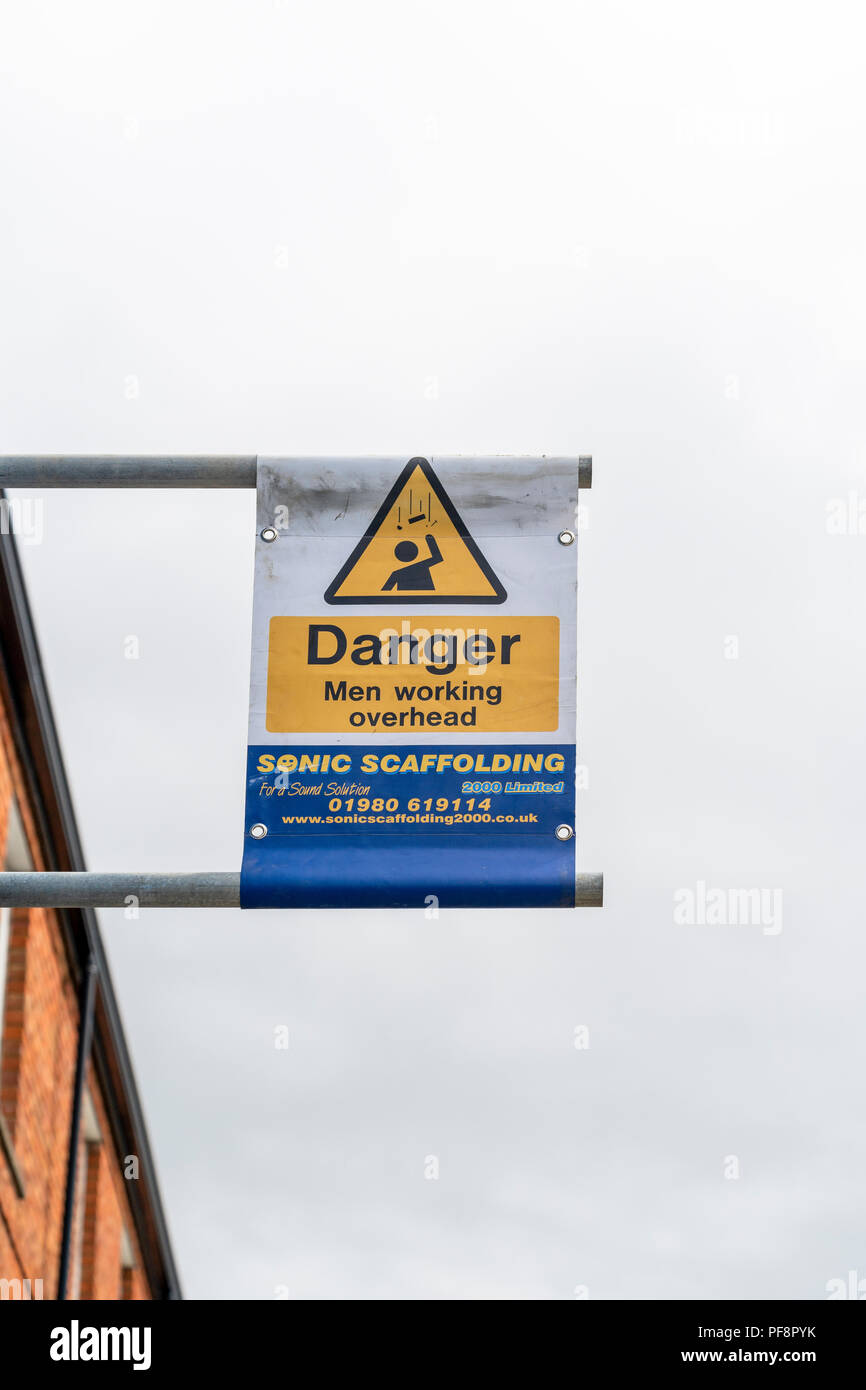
[[105, 470], [26, 889], [108, 470], [589, 890]]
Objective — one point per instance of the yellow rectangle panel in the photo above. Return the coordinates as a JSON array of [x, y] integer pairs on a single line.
[[416, 676]]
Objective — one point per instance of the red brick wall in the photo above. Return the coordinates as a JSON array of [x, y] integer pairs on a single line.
[[38, 1067]]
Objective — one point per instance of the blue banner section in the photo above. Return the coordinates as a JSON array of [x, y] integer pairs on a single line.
[[378, 826]]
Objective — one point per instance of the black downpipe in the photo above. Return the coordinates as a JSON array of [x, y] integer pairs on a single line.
[[85, 1035]]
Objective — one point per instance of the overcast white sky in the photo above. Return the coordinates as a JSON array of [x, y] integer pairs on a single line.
[[627, 230]]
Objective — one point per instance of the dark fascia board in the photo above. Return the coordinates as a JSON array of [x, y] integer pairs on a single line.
[[38, 747]]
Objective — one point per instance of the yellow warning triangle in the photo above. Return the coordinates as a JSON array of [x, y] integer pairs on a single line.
[[416, 550]]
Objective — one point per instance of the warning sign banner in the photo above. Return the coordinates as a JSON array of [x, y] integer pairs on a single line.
[[408, 614]]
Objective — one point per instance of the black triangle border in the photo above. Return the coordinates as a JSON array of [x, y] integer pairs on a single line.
[[456, 520]]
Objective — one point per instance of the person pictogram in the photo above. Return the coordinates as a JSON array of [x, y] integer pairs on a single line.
[[413, 574]]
